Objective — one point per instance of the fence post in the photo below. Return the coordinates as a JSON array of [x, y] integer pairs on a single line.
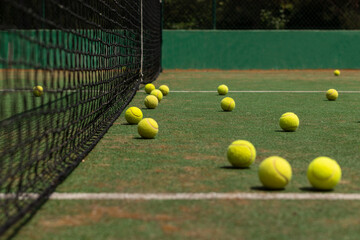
[[214, 14], [43, 13]]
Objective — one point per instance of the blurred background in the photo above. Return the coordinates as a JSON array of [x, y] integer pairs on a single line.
[[261, 14]]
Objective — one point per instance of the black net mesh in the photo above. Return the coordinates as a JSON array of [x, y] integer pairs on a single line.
[[90, 57], [262, 14]]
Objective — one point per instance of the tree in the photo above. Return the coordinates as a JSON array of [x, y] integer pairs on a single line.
[[263, 14]]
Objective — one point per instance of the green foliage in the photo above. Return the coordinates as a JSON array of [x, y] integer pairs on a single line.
[[271, 21], [263, 14], [187, 14]]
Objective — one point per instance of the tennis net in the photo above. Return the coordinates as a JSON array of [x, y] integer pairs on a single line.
[[90, 57]]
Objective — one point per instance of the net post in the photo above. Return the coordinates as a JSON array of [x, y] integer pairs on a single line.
[[161, 29], [142, 43], [43, 12]]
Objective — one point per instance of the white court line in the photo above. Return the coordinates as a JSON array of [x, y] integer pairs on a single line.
[[185, 91], [192, 196], [263, 91]]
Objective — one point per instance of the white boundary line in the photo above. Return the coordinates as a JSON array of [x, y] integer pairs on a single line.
[[191, 196], [184, 91], [263, 91]]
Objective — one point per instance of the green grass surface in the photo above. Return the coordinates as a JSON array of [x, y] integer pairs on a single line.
[[189, 155], [81, 220]]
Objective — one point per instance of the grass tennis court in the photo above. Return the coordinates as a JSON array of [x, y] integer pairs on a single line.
[[189, 156]]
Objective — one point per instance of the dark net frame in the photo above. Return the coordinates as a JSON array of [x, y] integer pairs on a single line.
[[90, 56]]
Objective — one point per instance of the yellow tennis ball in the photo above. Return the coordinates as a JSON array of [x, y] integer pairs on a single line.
[[275, 172], [324, 173], [228, 104], [151, 102], [164, 89], [332, 94], [149, 87], [289, 122], [148, 128], [133, 115], [337, 72], [157, 93], [241, 153], [223, 89], [38, 91]]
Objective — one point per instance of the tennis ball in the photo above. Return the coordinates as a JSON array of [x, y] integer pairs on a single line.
[[275, 172], [149, 87], [332, 94], [38, 91], [133, 115], [241, 153], [164, 90], [289, 122], [228, 104], [324, 173], [222, 89], [148, 128], [151, 102], [157, 93], [337, 72]]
